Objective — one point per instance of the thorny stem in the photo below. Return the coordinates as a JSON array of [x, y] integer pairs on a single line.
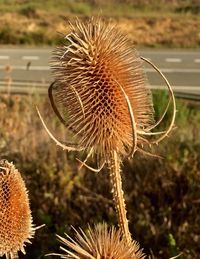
[[118, 195]]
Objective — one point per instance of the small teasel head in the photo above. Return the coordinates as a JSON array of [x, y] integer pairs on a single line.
[[16, 226], [101, 242]]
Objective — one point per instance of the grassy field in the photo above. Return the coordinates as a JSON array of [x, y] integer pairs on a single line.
[[162, 194], [148, 23]]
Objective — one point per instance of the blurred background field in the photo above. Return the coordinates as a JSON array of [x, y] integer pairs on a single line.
[[150, 23], [163, 195]]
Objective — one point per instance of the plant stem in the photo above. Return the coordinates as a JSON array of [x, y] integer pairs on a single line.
[[118, 195]]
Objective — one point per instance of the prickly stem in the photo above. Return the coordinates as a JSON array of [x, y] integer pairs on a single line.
[[118, 195]]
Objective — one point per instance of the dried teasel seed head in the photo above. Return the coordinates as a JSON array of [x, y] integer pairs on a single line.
[[15, 216], [99, 76], [100, 242]]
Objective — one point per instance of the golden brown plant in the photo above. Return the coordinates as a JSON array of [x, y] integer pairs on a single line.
[[16, 226], [101, 88], [99, 243]]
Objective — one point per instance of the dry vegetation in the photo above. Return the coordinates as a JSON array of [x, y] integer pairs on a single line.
[[149, 23], [162, 195]]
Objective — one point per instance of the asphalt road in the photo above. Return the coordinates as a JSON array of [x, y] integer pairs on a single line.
[[181, 67]]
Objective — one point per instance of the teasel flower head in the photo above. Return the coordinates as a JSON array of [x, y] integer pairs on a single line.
[[92, 72], [101, 91], [16, 228], [98, 243]]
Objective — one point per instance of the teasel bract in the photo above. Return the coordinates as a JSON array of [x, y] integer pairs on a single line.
[[97, 243], [16, 227], [102, 96]]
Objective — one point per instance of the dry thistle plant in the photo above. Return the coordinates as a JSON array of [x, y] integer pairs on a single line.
[[99, 243], [101, 95], [16, 226]]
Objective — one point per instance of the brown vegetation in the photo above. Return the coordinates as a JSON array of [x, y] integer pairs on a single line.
[[40, 27], [162, 196]]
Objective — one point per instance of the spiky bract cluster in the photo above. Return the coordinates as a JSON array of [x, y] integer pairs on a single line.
[[15, 216], [99, 243], [99, 77]]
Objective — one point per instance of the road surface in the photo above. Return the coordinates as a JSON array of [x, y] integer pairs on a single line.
[[181, 67]]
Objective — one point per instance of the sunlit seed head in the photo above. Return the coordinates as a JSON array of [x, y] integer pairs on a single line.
[[91, 69], [99, 243], [15, 216]]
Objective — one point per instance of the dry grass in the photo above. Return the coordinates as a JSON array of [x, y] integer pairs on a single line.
[[162, 196], [145, 30]]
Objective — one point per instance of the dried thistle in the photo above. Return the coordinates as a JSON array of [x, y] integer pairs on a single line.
[[99, 77], [101, 88], [16, 226], [98, 243]]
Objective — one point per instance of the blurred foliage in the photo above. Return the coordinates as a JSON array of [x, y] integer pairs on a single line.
[[27, 7], [149, 23], [163, 195]]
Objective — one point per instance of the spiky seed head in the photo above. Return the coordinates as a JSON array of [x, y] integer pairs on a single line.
[[15, 216], [99, 243], [91, 69]]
